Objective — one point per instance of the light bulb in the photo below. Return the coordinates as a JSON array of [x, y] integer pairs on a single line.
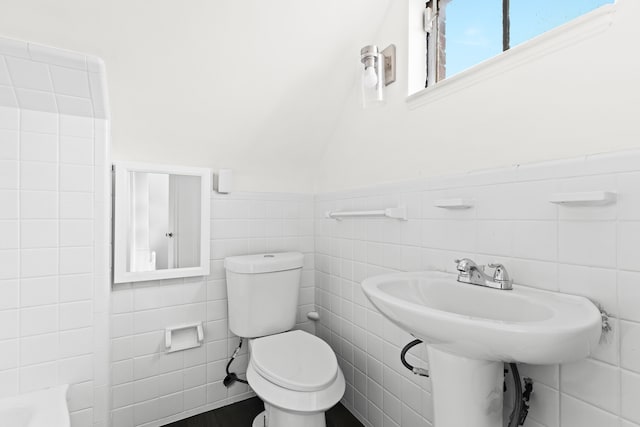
[[370, 78]]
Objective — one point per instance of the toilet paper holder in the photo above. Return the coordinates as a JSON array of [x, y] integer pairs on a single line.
[[183, 337]]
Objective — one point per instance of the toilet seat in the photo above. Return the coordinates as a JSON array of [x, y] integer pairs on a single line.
[[295, 360], [296, 401], [273, 382]]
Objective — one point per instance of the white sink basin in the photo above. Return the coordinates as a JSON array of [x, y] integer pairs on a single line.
[[471, 330], [519, 325]]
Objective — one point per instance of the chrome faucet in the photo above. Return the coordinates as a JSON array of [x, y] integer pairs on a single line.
[[470, 272]]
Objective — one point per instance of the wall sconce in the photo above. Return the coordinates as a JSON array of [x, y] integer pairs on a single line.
[[379, 71]]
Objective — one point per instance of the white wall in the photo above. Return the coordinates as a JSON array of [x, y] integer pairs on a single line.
[[589, 251], [571, 100], [250, 85], [259, 87], [54, 230]]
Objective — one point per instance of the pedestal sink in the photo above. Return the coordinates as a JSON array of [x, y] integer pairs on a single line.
[[470, 331]]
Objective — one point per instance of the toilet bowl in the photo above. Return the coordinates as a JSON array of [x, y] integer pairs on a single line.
[[297, 376]]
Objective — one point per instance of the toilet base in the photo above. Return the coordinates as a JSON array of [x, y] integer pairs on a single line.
[[260, 420], [276, 417]]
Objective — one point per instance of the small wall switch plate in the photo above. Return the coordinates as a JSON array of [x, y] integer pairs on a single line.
[[223, 181]]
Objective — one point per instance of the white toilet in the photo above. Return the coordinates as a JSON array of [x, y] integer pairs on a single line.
[[295, 373]]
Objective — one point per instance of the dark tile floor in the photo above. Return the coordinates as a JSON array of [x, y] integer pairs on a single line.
[[241, 414]]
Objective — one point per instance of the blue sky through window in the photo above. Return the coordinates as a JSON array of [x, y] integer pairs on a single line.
[[474, 28]]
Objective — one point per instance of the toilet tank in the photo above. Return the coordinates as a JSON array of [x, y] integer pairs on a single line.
[[262, 292]]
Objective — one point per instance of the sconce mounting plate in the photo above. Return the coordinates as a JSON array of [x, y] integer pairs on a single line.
[[389, 54]]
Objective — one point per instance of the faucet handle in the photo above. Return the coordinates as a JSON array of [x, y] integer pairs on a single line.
[[501, 274]]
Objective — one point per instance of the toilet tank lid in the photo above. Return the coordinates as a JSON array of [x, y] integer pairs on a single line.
[[264, 263]]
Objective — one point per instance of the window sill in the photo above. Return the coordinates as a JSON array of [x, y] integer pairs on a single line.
[[575, 31]]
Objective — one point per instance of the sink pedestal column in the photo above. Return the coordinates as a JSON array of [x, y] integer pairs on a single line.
[[466, 392]]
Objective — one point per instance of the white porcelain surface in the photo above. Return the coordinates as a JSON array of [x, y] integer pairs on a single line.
[[44, 408], [263, 303], [462, 382], [312, 402], [295, 373], [295, 360], [523, 325], [264, 263]]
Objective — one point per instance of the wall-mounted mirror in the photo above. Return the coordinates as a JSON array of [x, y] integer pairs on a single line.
[[161, 222]]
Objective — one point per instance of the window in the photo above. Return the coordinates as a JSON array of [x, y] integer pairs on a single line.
[[463, 33]]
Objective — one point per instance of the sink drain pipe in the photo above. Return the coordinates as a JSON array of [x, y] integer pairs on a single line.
[[517, 404], [520, 406], [521, 399]]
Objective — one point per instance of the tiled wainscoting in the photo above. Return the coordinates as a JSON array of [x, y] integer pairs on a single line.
[[589, 250], [54, 240], [152, 388]]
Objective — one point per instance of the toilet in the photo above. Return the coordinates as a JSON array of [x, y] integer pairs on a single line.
[[295, 373]]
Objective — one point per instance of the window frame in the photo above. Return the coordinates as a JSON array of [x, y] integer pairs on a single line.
[[567, 34]]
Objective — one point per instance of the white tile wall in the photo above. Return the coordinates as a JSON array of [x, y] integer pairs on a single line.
[[589, 251], [152, 388], [53, 320]]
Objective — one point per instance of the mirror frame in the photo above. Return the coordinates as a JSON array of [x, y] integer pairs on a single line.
[[121, 221]]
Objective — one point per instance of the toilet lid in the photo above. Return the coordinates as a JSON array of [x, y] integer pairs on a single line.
[[295, 360]]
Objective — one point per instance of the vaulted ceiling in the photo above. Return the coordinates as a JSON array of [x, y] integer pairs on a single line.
[[252, 85]]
